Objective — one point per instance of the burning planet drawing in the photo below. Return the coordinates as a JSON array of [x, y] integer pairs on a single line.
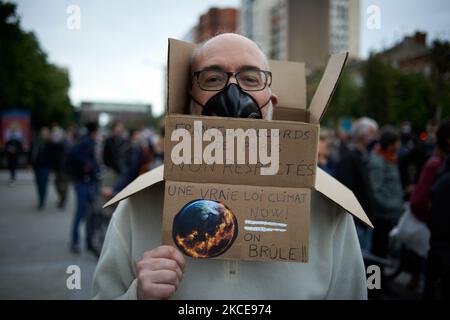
[[204, 228]]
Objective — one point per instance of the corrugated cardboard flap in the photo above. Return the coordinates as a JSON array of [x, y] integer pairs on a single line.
[[178, 75], [143, 181], [289, 84], [341, 195]]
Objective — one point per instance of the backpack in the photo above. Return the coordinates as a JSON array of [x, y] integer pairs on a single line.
[[72, 164]]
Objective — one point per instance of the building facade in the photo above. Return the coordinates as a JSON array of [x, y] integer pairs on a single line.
[[214, 22], [302, 30], [131, 115], [411, 55]]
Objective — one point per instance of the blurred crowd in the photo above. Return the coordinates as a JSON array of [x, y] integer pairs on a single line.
[[98, 163], [402, 181]]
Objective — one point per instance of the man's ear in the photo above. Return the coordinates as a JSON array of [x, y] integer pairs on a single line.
[[274, 100]]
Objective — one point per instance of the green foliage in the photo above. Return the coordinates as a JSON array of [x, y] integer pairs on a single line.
[[391, 96], [412, 101], [379, 89], [440, 55], [347, 99], [27, 80]]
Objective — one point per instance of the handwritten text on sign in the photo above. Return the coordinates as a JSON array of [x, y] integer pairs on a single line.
[[273, 223]]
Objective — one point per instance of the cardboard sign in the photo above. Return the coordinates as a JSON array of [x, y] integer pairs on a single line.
[[296, 159], [218, 221], [209, 176]]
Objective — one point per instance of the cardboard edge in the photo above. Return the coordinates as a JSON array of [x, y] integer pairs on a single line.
[[327, 86], [173, 46], [143, 181], [341, 195], [169, 45]]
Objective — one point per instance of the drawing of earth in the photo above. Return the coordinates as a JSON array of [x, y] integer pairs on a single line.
[[204, 228]]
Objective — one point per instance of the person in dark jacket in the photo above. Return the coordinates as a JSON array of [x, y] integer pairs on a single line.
[[140, 156], [437, 283], [40, 162], [353, 172], [421, 197], [114, 150], [134, 158], [387, 189], [58, 148], [13, 148], [86, 182]]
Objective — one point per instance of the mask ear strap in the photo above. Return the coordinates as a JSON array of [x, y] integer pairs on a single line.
[[265, 104], [195, 100]]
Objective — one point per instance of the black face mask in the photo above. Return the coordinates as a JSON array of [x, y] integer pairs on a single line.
[[233, 102]]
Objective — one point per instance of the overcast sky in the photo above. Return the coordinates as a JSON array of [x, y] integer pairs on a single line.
[[119, 52]]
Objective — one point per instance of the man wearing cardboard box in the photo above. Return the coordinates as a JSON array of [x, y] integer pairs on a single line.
[[133, 264]]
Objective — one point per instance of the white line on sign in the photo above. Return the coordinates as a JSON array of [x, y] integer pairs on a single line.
[[265, 223], [263, 229]]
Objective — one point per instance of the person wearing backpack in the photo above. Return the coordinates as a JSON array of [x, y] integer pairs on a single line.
[[83, 166]]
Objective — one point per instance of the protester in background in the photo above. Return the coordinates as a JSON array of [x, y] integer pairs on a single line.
[[431, 137], [58, 148], [40, 162], [411, 232], [406, 159], [148, 159], [324, 162], [437, 283], [387, 189], [425, 147], [159, 146], [140, 157], [114, 153], [134, 158], [13, 149], [86, 171], [421, 198], [353, 172], [339, 146]]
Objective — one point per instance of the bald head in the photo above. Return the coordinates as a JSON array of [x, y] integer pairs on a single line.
[[231, 53], [231, 44]]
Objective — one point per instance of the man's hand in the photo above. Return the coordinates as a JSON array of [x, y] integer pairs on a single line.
[[159, 273]]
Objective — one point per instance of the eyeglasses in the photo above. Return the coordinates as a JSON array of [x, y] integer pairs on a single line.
[[248, 80]]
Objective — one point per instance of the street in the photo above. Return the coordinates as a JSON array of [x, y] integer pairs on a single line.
[[34, 251]]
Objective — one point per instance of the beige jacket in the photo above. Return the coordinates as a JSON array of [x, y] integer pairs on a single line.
[[335, 269]]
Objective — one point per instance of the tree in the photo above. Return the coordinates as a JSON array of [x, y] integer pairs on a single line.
[[412, 101], [379, 89], [27, 80], [347, 99], [440, 56], [391, 96]]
